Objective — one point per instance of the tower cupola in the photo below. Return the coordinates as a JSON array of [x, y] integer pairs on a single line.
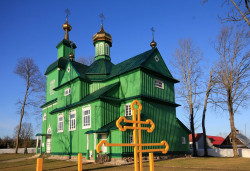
[[102, 42], [66, 48]]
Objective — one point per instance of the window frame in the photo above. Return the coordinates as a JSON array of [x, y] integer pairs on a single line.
[[60, 115], [51, 91], [86, 108], [71, 112], [68, 90], [106, 49], [183, 140], [125, 106], [101, 49], [96, 50], [131, 139], [156, 82], [44, 117]]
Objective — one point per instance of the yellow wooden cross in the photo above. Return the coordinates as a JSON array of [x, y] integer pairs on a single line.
[[137, 144]]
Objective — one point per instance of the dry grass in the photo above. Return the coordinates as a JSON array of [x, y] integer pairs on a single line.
[[173, 164], [4, 157]]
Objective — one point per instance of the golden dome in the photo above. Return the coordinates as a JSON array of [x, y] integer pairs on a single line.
[[102, 35], [71, 56], [153, 44], [66, 27]]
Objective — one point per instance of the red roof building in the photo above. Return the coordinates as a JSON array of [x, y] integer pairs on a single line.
[[212, 141]]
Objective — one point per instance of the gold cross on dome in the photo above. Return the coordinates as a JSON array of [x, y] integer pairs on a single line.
[[67, 11], [102, 17]]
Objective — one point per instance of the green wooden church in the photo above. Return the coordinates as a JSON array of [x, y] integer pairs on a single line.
[[83, 102]]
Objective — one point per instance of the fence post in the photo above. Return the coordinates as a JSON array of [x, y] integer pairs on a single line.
[[79, 161], [39, 164], [151, 161]]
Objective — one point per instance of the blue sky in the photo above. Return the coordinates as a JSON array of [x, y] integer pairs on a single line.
[[34, 28]]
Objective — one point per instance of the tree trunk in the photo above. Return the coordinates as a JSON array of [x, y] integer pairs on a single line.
[[193, 132], [233, 132], [204, 129], [21, 118]]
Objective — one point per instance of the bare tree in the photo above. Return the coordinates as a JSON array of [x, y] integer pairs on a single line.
[[29, 71], [86, 60], [239, 11], [25, 135], [210, 85], [232, 73], [187, 58]]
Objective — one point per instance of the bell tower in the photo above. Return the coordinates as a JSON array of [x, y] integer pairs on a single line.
[[102, 42]]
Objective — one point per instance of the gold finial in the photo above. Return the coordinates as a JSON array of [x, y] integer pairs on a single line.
[[153, 44], [66, 26], [102, 34], [71, 55]]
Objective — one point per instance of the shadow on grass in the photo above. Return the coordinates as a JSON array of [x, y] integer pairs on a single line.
[[73, 165]]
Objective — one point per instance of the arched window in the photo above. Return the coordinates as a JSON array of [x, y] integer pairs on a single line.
[[101, 52], [106, 49], [96, 50]]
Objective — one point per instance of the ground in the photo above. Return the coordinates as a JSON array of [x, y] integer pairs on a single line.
[[10, 162]]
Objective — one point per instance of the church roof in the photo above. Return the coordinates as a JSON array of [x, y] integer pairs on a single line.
[[100, 66], [91, 97], [130, 63], [59, 63]]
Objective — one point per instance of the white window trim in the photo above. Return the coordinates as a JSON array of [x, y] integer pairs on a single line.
[[68, 69], [59, 116], [49, 130], [183, 140], [106, 49], [101, 47], [157, 58], [125, 109], [84, 108], [96, 50], [131, 138], [72, 112], [44, 117], [157, 86], [51, 91], [68, 90]]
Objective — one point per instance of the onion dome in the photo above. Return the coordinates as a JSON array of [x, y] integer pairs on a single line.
[[71, 56], [102, 35], [66, 27], [153, 44]]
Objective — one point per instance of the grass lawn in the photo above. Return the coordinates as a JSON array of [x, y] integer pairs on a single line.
[[172, 164], [4, 157]]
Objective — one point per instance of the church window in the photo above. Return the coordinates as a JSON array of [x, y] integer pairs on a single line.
[[101, 49], [131, 141], [44, 117], [86, 117], [106, 48], [96, 50], [157, 58], [183, 140], [60, 123], [159, 84], [128, 111], [67, 92], [68, 69], [72, 120], [51, 87], [49, 131]]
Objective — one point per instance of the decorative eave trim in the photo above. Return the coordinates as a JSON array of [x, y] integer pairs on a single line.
[[150, 98], [78, 77], [145, 69], [47, 103]]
